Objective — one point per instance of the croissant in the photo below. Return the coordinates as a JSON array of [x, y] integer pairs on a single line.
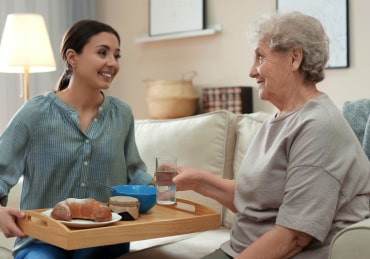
[[73, 208]]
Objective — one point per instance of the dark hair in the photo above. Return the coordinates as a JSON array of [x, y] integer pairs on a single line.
[[76, 37]]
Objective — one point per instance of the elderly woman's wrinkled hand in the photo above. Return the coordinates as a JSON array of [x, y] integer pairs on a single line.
[[164, 178], [187, 178]]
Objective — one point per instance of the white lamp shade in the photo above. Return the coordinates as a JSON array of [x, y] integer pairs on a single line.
[[24, 44]]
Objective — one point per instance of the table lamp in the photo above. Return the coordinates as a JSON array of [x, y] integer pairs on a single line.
[[25, 47]]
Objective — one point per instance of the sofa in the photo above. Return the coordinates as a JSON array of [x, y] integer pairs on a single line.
[[216, 142], [213, 141]]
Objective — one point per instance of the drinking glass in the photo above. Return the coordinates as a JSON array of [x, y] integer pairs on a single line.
[[165, 171]]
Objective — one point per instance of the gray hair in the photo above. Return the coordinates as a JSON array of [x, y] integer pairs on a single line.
[[296, 30]]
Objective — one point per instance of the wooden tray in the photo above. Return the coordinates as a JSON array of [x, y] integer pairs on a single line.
[[162, 220]]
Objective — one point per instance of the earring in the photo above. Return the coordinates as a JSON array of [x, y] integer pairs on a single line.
[[68, 69]]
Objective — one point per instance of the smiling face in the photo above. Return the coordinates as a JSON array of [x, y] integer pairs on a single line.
[[274, 72], [97, 64]]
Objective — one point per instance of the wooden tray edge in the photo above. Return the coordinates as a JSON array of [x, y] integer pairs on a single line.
[[49, 230]]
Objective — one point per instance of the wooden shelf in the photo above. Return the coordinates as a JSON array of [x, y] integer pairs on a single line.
[[210, 30]]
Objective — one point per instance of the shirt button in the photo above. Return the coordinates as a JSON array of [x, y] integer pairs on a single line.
[[87, 141], [83, 184], [86, 163], [96, 119], [100, 108]]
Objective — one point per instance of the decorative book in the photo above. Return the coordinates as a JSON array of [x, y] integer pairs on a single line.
[[237, 99]]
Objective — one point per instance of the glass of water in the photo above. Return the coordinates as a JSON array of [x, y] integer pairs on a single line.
[[165, 171]]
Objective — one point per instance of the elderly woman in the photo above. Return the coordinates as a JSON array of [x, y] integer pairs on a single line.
[[305, 176]]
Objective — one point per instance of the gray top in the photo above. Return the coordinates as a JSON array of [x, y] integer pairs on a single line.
[[305, 171], [44, 143]]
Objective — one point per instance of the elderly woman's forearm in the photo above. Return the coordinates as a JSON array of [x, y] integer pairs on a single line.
[[222, 190], [278, 243]]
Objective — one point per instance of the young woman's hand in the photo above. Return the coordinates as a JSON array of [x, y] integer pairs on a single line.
[[8, 223]]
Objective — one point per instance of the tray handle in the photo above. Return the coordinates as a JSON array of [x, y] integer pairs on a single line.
[[192, 206], [35, 221]]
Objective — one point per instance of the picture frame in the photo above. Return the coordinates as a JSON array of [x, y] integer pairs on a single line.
[[175, 16], [333, 14]]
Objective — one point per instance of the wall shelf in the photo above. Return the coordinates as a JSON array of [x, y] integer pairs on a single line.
[[210, 30]]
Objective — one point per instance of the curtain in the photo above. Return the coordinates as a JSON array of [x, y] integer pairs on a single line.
[[58, 15]]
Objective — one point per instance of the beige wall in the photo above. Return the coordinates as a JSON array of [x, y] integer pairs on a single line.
[[223, 59]]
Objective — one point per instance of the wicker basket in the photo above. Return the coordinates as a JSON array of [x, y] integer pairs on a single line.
[[170, 88], [170, 108], [167, 99]]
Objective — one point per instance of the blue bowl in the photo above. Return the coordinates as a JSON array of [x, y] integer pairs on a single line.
[[147, 195]]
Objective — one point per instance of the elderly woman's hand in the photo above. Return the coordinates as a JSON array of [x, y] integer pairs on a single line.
[[8, 223], [187, 178]]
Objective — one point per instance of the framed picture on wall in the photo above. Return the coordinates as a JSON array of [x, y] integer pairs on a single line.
[[333, 14], [175, 16]]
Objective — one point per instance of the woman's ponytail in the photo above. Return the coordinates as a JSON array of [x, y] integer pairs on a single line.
[[64, 79]]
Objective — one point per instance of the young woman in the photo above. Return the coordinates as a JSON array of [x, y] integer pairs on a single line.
[[71, 142]]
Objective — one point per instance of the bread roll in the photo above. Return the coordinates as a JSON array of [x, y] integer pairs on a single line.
[[72, 208]]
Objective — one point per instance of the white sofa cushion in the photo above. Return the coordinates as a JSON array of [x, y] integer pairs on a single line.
[[247, 126], [204, 141]]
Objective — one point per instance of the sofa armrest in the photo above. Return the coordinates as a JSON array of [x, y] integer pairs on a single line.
[[352, 242]]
